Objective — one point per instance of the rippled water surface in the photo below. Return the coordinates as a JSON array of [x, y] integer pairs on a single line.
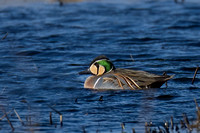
[[47, 45]]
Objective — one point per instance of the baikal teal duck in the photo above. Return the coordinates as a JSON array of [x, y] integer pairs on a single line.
[[106, 76]]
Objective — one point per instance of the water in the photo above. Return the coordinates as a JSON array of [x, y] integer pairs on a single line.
[[47, 45]]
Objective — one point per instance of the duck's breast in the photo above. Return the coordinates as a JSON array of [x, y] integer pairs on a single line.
[[106, 81]]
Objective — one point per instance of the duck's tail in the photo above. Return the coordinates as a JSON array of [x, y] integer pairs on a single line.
[[160, 82]]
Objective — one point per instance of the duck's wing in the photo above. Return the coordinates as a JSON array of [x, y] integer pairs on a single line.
[[144, 79]]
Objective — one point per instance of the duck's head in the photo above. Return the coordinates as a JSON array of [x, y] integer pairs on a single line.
[[99, 66]]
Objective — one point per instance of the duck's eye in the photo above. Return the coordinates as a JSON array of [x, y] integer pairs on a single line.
[[93, 69]]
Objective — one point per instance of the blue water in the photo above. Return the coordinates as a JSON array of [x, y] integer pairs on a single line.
[[47, 45]]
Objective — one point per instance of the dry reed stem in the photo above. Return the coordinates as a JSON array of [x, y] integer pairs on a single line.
[[185, 125], [18, 117], [198, 111], [195, 74], [61, 119], [186, 121], [8, 120], [123, 126], [172, 123], [198, 114], [5, 115], [146, 127]]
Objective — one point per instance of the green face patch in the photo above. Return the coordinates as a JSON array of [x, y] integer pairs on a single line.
[[106, 64]]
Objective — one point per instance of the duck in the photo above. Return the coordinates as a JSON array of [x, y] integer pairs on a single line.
[[106, 76]]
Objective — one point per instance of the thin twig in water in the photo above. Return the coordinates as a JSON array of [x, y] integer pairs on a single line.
[[4, 37], [3, 91], [50, 118], [76, 100], [195, 74], [131, 57], [29, 118], [18, 117]]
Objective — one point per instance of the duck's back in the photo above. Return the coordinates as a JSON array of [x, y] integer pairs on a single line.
[[144, 79]]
